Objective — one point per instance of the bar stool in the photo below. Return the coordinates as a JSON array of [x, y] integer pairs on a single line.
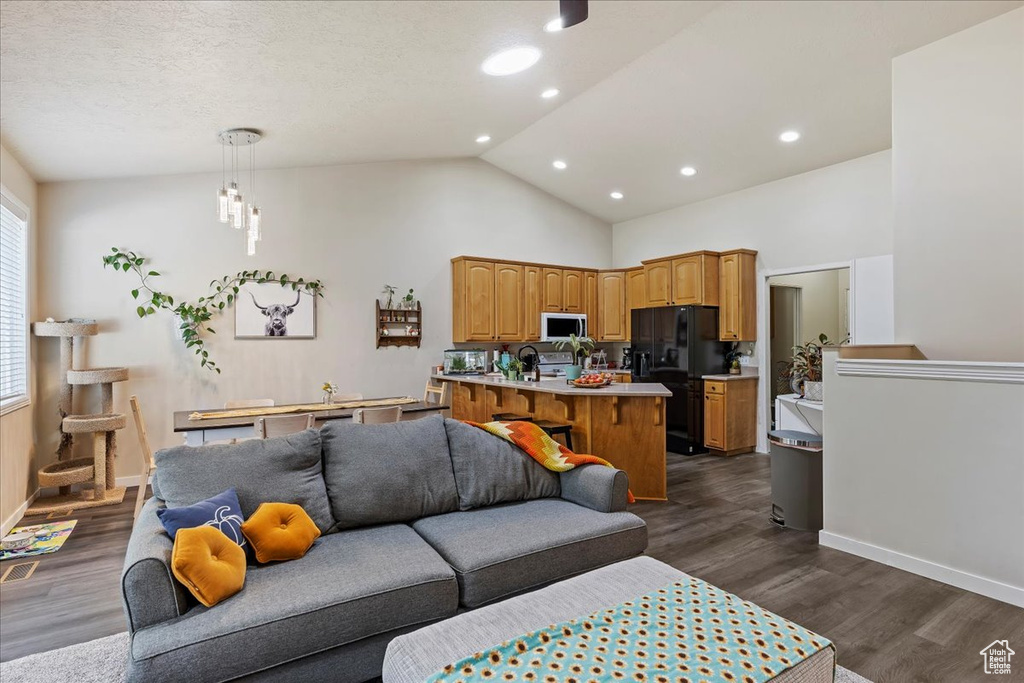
[[511, 417], [552, 428]]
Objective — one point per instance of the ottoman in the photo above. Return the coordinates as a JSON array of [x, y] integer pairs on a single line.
[[415, 657]]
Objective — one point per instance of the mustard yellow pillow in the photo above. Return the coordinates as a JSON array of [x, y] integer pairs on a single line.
[[208, 563], [280, 531]]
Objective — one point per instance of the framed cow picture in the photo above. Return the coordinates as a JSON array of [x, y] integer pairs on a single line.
[[270, 311]]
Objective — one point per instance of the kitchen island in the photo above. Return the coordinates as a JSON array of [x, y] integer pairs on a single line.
[[622, 423]]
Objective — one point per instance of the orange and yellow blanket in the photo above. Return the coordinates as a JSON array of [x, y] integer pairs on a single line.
[[532, 440]]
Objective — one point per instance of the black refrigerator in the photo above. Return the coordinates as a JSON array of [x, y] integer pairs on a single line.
[[676, 346]]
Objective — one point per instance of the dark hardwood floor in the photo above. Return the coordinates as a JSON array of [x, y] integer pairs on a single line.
[[888, 625]]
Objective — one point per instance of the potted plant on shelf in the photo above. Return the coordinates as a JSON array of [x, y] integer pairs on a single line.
[[732, 361], [803, 370], [409, 301], [581, 347]]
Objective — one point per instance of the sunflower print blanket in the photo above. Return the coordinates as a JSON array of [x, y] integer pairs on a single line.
[[538, 445], [688, 632]]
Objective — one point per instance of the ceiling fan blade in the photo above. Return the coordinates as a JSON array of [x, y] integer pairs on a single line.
[[572, 12]]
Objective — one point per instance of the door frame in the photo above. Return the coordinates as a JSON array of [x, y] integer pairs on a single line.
[[798, 296], [764, 342]]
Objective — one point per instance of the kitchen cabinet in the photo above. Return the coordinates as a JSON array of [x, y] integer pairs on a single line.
[[695, 279], [636, 294], [551, 292], [591, 305], [658, 275], [508, 302], [737, 312], [573, 294], [730, 415], [472, 300], [532, 287], [611, 298]]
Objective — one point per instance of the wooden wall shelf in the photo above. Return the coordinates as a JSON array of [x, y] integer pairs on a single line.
[[392, 326]]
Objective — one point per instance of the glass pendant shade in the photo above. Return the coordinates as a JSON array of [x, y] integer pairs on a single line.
[[232, 193], [238, 212], [254, 223], [250, 244], [222, 205]]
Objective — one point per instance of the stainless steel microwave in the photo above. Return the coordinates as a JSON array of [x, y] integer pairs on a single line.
[[558, 326]]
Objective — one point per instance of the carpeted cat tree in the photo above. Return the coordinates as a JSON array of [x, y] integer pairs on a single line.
[[97, 469]]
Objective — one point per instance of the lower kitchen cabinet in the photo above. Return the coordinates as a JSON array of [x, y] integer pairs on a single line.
[[730, 415]]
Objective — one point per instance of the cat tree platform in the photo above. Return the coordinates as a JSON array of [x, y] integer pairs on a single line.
[[97, 470]]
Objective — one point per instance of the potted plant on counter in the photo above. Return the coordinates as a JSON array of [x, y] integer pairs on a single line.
[[803, 370], [580, 347]]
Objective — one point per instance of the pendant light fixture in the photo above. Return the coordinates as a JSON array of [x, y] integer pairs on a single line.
[[231, 205]]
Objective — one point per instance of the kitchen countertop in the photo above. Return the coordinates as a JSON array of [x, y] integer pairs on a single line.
[[559, 386], [729, 378]]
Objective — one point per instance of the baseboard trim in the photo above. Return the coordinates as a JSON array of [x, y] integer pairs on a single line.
[[931, 570], [16, 516]]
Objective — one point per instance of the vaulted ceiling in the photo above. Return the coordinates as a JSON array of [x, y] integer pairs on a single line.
[[96, 89]]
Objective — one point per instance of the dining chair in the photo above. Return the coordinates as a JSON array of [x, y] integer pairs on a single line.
[[249, 403], [376, 416], [438, 394], [147, 455], [280, 425]]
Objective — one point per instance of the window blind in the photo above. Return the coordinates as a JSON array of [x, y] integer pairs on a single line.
[[13, 312]]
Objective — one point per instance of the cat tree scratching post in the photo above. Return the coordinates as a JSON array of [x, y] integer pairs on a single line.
[[99, 467]]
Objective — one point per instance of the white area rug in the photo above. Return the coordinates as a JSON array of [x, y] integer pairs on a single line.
[[105, 661]]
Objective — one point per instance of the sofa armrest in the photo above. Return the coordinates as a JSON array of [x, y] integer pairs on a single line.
[[148, 589], [597, 487]]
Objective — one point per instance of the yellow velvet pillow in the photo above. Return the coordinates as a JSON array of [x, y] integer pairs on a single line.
[[280, 531], [208, 563]]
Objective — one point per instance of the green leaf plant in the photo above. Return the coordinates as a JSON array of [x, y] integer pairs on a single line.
[[195, 317]]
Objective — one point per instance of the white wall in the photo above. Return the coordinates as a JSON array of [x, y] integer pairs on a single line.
[[958, 178], [927, 475], [821, 306], [17, 450], [355, 227]]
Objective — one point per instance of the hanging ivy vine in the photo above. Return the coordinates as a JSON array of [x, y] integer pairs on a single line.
[[195, 317]]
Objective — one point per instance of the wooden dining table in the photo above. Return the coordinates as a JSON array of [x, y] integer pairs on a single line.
[[199, 432]]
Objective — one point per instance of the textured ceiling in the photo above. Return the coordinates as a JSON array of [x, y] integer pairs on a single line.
[[107, 89], [103, 89]]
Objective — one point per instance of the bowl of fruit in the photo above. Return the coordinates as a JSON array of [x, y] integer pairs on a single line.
[[593, 381]]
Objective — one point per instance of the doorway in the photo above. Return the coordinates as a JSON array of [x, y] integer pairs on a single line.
[[802, 307]]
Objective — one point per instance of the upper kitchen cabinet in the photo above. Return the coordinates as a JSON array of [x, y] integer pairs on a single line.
[[508, 302], [612, 314], [551, 291], [636, 294], [658, 275], [695, 279], [532, 290], [591, 305], [573, 295], [473, 300], [737, 312]]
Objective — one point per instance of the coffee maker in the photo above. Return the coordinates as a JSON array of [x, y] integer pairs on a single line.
[[627, 358]]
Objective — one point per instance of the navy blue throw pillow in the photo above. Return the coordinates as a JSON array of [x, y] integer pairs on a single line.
[[221, 512]]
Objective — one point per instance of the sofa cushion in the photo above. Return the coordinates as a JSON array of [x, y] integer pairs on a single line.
[[285, 469], [349, 586], [490, 470], [379, 474], [279, 532], [506, 549]]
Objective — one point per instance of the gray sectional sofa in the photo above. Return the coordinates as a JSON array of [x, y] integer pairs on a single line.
[[420, 520]]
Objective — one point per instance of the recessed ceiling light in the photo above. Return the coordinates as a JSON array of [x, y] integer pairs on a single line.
[[483, 138], [511, 61], [616, 195], [688, 171], [553, 25], [549, 93], [559, 164], [790, 136]]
